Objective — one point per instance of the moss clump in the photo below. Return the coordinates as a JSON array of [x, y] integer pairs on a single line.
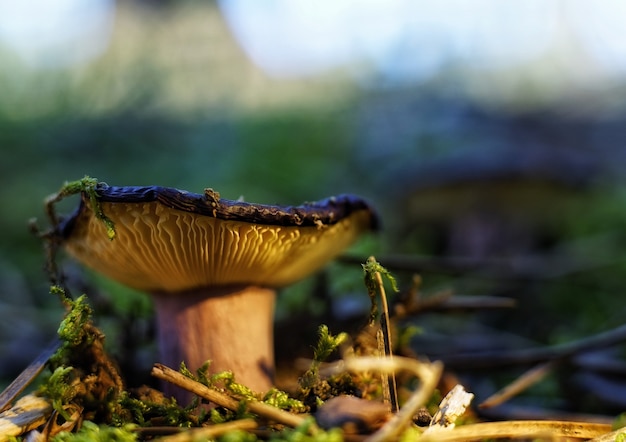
[[314, 389], [90, 432], [370, 269], [83, 377], [59, 390], [74, 328], [88, 187], [225, 381]]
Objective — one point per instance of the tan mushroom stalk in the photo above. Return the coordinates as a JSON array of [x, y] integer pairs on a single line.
[[212, 265]]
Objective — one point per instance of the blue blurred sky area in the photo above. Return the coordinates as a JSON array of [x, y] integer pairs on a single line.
[[400, 40], [410, 40], [53, 34]]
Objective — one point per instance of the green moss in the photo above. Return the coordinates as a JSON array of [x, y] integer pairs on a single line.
[[86, 186], [90, 432], [313, 389], [279, 399], [59, 389], [145, 412], [83, 376], [326, 345], [225, 380], [73, 328], [302, 433], [238, 436], [370, 269]]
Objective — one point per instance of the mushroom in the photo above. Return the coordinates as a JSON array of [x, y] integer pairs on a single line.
[[211, 265]]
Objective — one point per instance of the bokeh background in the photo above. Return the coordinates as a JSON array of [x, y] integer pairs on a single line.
[[490, 136]]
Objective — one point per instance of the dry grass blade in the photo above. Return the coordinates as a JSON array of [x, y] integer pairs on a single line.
[[27, 414], [429, 374], [212, 431], [610, 437], [266, 411], [27, 375], [525, 381], [519, 429], [389, 384]]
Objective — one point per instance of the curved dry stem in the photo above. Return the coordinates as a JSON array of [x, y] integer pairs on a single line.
[[519, 429], [428, 373]]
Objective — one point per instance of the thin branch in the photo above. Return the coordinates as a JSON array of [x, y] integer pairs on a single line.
[[500, 358], [522, 383], [453, 302]]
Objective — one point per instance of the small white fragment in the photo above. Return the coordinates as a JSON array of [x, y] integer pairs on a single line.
[[451, 407]]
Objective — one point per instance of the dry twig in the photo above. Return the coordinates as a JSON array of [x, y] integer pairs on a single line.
[[519, 429], [525, 381], [266, 411], [428, 373], [501, 358]]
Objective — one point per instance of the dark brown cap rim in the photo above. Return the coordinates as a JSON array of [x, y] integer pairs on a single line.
[[327, 211]]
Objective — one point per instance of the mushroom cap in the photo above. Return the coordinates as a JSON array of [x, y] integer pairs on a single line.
[[168, 240]]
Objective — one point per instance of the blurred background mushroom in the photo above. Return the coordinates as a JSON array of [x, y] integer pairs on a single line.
[[486, 129], [212, 266]]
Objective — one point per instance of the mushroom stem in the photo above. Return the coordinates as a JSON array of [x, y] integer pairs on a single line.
[[231, 327]]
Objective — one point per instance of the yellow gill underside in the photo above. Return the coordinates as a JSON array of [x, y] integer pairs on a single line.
[[161, 249]]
